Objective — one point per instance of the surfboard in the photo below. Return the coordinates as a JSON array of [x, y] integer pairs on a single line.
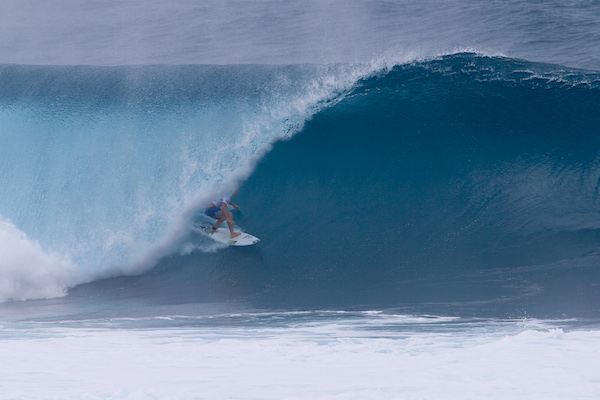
[[222, 235]]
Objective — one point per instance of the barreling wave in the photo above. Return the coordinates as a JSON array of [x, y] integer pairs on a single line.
[[461, 163], [104, 166], [440, 181]]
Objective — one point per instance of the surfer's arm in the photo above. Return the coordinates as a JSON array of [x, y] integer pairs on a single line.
[[234, 205]]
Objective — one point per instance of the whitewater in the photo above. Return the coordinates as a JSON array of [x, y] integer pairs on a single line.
[[424, 178]]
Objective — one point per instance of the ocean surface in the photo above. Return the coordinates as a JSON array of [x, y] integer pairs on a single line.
[[424, 177]]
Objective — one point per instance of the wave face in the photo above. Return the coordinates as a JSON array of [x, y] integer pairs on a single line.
[[101, 167], [461, 180]]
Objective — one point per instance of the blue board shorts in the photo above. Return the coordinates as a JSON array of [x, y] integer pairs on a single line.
[[212, 212]]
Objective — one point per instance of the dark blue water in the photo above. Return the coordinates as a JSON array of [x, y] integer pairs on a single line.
[[464, 179]]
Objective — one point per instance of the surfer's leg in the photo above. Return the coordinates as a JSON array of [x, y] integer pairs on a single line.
[[221, 217], [231, 224]]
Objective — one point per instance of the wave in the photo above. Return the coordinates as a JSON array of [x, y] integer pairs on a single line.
[[428, 168], [105, 165], [436, 171]]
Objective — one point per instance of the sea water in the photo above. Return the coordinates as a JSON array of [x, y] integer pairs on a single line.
[[424, 178]]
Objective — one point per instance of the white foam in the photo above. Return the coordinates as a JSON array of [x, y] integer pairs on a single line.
[[27, 271], [306, 362]]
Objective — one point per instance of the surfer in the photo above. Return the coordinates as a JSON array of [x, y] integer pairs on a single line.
[[217, 209]]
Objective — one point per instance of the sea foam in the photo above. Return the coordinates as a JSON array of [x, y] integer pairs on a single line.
[[307, 361], [27, 270]]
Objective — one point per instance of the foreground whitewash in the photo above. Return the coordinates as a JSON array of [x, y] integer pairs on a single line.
[[310, 362]]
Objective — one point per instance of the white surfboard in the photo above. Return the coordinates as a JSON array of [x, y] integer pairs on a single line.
[[222, 235]]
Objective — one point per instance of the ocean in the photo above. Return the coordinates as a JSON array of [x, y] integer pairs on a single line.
[[424, 177]]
